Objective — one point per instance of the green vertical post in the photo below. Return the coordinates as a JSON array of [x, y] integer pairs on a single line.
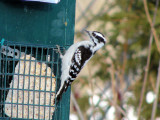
[[40, 23]]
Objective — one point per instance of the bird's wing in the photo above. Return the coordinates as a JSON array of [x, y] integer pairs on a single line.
[[79, 59]]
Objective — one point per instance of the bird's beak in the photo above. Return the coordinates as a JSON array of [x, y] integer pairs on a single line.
[[88, 32]]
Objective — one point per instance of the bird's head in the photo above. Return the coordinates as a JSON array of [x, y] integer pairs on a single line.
[[97, 38]]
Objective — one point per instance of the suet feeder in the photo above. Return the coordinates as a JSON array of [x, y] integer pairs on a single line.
[[30, 66]]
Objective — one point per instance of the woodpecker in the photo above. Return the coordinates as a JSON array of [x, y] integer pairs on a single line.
[[76, 58]]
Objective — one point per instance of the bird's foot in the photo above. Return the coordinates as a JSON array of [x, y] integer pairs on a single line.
[[59, 51]]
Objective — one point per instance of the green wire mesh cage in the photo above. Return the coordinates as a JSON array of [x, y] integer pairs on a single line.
[[28, 77], [30, 67]]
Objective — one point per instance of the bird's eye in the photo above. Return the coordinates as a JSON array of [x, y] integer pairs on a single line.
[[100, 39], [94, 34]]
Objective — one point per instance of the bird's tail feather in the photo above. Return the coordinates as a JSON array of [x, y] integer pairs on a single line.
[[62, 90]]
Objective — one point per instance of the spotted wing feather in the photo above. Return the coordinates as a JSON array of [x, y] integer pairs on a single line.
[[79, 59]]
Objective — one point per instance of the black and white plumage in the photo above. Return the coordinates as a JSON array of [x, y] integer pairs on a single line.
[[76, 57]]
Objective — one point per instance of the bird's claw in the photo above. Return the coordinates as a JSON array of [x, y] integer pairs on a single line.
[[59, 51]]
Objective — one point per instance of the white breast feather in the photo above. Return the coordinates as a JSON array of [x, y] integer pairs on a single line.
[[66, 60]]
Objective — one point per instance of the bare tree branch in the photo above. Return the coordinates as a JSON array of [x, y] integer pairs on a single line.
[[157, 93], [117, 107], [148, 58], [77, 106], [113, 83], [114, 92], [92, 87], [151, 25], [112, 102]]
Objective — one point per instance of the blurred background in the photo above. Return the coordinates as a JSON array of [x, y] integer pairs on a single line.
[[121, 82]]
